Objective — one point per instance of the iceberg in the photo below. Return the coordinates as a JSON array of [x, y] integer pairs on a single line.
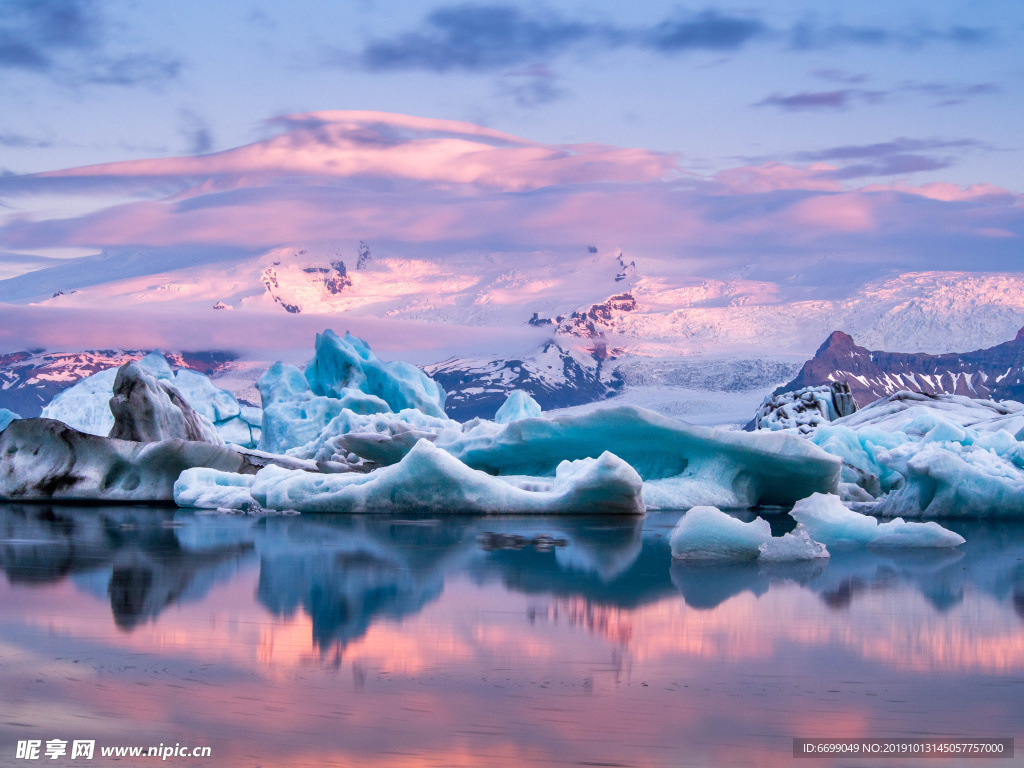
[[707, 533], [828, 520], [331, 413], [6, 417], [345, 364], [147, 409], [294, 416], [682, 465], [917, 461], [791, 547], [46, 460], [86, 405], [429, 479], [519, 405]]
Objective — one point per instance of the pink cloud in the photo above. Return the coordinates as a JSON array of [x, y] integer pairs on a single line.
[[940, 190], [377, 144], [769, 177]]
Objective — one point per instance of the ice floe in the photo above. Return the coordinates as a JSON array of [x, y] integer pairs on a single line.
[[827, 520], [428, 479], [708, 534]]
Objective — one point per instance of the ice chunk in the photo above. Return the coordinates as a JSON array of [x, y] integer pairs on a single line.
[[45, 460], [213, 403], [85, 406], [797, 545], [146, 409], [707, 533], [682, 465], [929, 465], [294, 416], [344, 364], [893, 413], [373, 440], [827, 520], [212, 489], [804, 410], [519, 405], [6, 417], [429, 479]]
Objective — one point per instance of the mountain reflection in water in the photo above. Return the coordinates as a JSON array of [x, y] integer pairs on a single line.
[[488, 640]]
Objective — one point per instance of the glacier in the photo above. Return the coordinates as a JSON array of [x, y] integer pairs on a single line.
[[426, 479], [828, 520]]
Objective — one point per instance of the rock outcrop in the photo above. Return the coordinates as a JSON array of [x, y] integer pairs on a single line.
[[995, 373]]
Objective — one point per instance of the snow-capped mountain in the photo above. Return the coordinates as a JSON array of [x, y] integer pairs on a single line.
[[995, 373], [29, 380]]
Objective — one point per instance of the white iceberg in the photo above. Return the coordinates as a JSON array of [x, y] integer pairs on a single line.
[[86, 405], [791, 547], [206, 488], [682, 465], [707, 533], [429, 479], [918, 461], [46, 460], [6, 417], [828, 520], [519, 405]]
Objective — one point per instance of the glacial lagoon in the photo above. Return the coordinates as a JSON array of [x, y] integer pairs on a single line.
[[306, 640]]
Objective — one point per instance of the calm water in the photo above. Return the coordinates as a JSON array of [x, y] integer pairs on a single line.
[[301, 641]]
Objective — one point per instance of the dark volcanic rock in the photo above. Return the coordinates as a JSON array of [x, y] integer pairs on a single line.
[[996, 373]]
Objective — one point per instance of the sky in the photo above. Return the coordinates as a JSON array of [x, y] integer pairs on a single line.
[[926, 90], [726, 136]]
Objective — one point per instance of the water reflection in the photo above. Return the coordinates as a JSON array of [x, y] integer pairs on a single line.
[[310, 640], [345, 571]]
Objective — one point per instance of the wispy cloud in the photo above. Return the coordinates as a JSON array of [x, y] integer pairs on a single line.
[[812, 35], [196, 132], [532, 87], [821, 100], [69, 41], [944, 94], [489, 37]]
